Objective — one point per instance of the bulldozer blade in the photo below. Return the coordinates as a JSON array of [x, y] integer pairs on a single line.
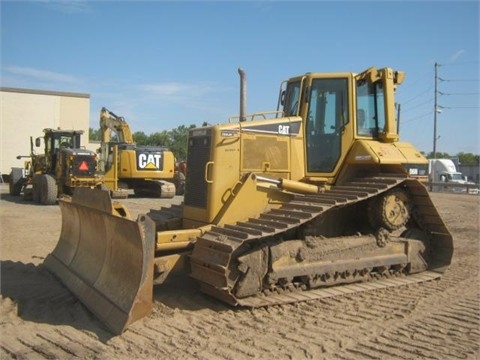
[[106, 261]]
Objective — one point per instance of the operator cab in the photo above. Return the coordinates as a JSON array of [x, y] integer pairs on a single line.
[[54, 141], [325, 103], [339, 108]]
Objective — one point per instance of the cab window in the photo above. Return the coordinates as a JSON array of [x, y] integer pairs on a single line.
[[370, 109], [327, 116], [292, 96]]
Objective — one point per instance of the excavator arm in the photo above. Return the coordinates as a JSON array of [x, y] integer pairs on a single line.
[[109, 122]]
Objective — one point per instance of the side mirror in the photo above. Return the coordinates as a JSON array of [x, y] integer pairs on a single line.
[[37, 142], [282, 98]]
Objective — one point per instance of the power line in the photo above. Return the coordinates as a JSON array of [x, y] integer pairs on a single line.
[[458, 80], [417, 96], [417, 117], [421, 78], [458, 107], [429, 101], [442, 93], [437, 108]]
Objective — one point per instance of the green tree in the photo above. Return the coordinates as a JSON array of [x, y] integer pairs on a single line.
[[140, 138], [463, 158], [94, 135], [175, 139], [468, 158], [440, 155], [179, 140], [160, 139]]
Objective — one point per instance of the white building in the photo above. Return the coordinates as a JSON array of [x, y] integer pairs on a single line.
[[26, 112]]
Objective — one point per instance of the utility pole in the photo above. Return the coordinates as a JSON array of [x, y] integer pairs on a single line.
[[435, 115]]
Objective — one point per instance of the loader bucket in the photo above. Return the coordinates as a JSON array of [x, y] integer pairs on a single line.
[[105, 260]]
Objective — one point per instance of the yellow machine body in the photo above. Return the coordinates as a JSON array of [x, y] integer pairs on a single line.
[[63, 166], [319, 193], [147, 170]]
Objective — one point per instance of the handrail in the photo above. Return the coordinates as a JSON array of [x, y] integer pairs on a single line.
[[264, 115]]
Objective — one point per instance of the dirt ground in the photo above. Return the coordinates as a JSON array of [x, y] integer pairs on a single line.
[[39, 318]]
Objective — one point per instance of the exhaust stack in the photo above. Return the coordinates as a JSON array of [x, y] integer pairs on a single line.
[[243, 94]]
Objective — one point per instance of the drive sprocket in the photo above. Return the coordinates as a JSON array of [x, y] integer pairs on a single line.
[[390, 210]]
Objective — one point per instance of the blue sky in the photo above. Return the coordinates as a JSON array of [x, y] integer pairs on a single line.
[[162, 64]]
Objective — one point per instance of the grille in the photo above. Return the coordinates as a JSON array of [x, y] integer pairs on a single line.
[[272, 150]]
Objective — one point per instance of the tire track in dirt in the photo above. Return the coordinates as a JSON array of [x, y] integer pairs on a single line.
[[286, 318], [438, 334], [438, 319], [296, 329], [447, 331]]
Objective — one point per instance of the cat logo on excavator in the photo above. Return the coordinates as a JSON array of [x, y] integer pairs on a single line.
[[149, 161]]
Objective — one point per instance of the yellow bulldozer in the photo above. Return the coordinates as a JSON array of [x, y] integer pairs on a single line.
[[147, 170], [315, 199]]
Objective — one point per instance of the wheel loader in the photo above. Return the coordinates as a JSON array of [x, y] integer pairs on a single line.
[[63, 166], [148, 170], [316, 199]]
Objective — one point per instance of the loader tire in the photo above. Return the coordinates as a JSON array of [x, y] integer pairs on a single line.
[[48, 190], [36, 188], [15, 189]]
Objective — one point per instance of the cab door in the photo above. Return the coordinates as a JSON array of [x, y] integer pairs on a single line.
[[326, 118]]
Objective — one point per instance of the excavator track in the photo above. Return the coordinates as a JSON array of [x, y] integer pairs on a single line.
[[216, 253]]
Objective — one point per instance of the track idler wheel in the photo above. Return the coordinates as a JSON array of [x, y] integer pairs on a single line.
[[390, 210]]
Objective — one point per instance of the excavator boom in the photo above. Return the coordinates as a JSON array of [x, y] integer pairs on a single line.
[[111, 122]]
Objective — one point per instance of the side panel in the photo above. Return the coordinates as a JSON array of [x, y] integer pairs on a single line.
[[221, 157], [126, 163], [212, 171], [266, 147], [374, 152], [370, 156], [145, 163]]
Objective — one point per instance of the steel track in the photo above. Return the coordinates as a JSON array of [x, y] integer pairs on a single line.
[[215, 250]]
